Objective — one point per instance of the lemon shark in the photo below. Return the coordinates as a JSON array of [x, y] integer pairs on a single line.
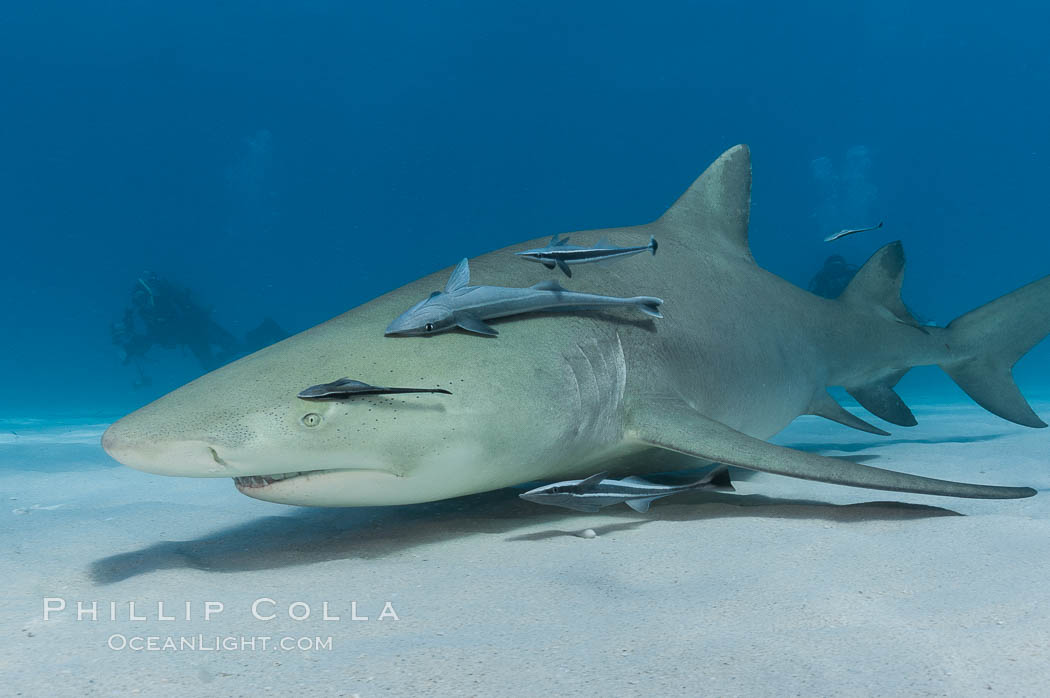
[[739, 354]]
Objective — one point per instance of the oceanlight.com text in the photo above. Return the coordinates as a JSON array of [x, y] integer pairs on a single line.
[[216, 643]]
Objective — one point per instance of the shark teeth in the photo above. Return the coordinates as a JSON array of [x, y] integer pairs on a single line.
[[253, 481]]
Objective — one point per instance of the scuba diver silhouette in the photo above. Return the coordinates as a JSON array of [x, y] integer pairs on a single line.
[[172, 318], [833, 277]]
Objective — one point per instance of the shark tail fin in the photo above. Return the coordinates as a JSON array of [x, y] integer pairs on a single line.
[[652, 244], [988, 342], [648, 305]]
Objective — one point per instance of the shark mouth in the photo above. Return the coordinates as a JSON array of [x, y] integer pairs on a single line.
[[251, 482], [255, 482]]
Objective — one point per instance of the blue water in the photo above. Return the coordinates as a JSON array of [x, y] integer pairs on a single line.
[[293, 160]]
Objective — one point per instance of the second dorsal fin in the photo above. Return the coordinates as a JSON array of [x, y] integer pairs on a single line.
[[878, 283]]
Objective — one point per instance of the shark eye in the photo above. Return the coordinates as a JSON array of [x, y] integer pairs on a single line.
[[429, 327], [311, 419]]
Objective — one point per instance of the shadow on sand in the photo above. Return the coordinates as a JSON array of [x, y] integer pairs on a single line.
[[318, 535]]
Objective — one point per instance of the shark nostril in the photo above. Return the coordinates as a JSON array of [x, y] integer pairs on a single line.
[[215, 456]]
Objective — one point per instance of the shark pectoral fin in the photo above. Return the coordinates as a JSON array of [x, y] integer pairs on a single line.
[[641, 505], [476, 325], [823, 405], [565, 268], [880, 399], [673, 425], [548, 263]]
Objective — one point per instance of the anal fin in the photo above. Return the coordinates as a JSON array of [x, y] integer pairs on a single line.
[[641, 505], [675, 426], [880, 399], [823, 405]]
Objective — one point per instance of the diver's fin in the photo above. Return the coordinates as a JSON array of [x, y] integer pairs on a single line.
[[880, 399], [673, 425], [548, 263], [549, 285], [475, 325], [565, 268], [713, 212], [878, 284], [642, 505], [986, 343], [823, 405], [460, 277], [589, 483]]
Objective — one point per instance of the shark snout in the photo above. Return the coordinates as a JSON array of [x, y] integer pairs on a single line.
[[148, 453]]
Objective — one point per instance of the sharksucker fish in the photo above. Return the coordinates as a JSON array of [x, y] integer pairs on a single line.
[[597, 491], [740, 355], [559, 253], [851, 231], [347, 387], [467, 307]]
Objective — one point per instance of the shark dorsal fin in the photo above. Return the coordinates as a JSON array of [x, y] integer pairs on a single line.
[[591, 482], [878, 283], [713, 213], [558, 241], [460, 277], [550, 285]]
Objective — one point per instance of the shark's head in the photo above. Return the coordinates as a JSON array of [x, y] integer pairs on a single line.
[[429, 316], [246, 420], [531, 255]]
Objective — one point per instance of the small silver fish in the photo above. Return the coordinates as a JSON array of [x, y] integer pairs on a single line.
[[559, 253], [596, 491], [851, 231], [345, 387], [467, 307]]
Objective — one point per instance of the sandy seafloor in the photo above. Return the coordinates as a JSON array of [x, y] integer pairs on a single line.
[[785, 588]]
